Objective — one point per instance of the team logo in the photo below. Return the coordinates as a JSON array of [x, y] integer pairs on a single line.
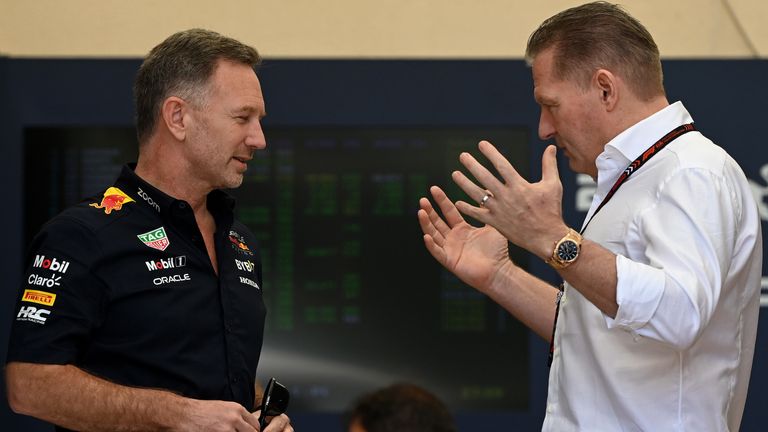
[[238, 243], [113, 200], [156, 239], [32, 314], [50, 264], [167, 263], [39, 297]]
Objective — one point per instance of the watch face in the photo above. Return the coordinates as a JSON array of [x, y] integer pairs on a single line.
[[567, 251]]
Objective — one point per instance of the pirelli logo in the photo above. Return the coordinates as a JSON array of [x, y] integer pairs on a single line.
[[39, 297]]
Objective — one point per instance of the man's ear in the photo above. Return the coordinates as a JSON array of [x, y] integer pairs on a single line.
[[607, 84], [173, 114]]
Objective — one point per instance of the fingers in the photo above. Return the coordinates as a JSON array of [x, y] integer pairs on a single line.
[[430, 222], [429, 229], [481, 173], [437, 251], [452, 216], [549, 169], [251, 421], [280, 423], [472, 190], [502, 165]]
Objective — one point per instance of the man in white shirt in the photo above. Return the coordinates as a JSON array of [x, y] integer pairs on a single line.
[[655, 327]]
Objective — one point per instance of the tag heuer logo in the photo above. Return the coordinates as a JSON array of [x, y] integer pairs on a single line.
[[156, 239]]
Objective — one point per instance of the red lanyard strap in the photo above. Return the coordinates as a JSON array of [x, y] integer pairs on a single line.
[[640, 161]]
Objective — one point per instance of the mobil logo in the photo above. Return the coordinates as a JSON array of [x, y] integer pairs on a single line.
[[166, 263], [53, 264]]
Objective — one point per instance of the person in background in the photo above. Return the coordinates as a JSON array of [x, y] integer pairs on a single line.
[[399, 408], [654, 327], [141, 308]]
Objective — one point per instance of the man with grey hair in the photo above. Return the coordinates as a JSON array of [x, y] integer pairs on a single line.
[[142, 307], [654, 326]]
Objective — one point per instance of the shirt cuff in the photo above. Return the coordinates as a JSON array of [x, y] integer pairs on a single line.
[[638, 292]]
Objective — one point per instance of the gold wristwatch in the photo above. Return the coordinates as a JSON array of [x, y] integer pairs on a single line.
[[566, 250]]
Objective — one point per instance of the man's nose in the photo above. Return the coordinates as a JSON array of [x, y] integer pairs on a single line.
[[546, 126], [255, 137]]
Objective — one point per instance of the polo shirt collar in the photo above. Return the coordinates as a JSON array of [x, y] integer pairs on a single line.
[[154, 200]]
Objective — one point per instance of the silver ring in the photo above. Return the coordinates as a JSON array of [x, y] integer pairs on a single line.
[[484, 199]]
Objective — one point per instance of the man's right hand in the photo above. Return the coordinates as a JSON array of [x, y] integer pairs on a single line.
[[217, 416], [474, 255]]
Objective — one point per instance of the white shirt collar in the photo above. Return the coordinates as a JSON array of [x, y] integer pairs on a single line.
[[628, 145]]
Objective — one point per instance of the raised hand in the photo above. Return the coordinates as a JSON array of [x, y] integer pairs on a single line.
[[528, 214], [474, 255]]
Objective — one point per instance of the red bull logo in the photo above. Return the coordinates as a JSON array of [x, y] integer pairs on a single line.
[[113, 200], [238, 243]]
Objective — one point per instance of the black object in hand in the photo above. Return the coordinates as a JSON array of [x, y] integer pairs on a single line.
[[274, 402]]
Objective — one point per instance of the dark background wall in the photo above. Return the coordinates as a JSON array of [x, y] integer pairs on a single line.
[[726, 98]]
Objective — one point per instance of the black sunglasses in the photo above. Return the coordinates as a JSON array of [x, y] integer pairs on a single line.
[[274, 402]]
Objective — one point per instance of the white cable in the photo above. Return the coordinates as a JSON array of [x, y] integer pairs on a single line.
[[740, 28]]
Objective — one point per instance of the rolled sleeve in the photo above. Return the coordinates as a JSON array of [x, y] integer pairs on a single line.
[[668, 290], [638, 293]]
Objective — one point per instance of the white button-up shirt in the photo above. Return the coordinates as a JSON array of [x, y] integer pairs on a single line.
[[678, 355]]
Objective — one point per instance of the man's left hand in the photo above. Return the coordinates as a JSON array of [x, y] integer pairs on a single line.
[[279, 423], [528, 214]]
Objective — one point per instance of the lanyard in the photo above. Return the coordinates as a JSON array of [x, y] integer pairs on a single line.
[[631, 169], [640, 161]]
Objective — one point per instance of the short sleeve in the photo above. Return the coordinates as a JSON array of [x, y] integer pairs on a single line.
[[59, 302]]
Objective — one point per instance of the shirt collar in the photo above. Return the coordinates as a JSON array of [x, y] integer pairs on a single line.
[[159, 202], [630, 144]]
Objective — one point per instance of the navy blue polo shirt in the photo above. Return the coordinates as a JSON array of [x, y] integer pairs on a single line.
[[121, 286]]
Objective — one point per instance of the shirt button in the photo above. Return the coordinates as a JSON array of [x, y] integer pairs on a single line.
[[182, 205], [234, 379]]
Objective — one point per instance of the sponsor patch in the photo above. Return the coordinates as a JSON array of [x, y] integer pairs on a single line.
[[156, 239], [113, 200], [33, 314], [50, 264], [238, 243], [245, 265], [162, 280], [167, 263], [149, 200], [250, 282], [38, 280], [39, 297]]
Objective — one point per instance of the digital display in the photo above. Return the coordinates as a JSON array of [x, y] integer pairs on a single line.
[[355, 300]]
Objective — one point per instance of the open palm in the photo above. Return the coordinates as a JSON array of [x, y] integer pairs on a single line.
[[474, 255]]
